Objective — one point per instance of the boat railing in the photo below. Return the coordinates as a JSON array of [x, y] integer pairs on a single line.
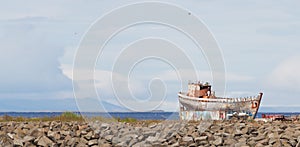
[[219, 99]]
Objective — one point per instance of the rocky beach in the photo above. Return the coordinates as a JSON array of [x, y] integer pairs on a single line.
[[146, 133]]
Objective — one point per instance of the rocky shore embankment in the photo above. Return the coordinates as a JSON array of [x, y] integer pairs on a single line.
[[167, 133]]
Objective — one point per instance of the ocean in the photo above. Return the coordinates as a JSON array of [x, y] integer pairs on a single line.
[[136, 115]]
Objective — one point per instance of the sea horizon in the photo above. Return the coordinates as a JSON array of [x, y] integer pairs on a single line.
[[136, 115]]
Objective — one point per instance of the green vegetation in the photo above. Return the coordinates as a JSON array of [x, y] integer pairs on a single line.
[[71, 116], [127, 120], [10, 118], [102, 119], [66, 116]]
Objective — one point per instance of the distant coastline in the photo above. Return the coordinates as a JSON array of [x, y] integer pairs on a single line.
[[151, 115]]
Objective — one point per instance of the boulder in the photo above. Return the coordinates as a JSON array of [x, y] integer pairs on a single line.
[[218, 141], [201, 138], [93, 142], [44, 141], [187, 139], [18, 142], [109, 137]]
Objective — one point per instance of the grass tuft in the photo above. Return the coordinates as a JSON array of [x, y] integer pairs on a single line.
[[71, 116], [127, 120], [66, 116]]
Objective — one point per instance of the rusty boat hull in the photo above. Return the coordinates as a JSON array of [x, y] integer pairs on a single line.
[[217, 108]]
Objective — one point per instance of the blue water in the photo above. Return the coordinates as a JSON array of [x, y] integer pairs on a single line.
[[136, 115]]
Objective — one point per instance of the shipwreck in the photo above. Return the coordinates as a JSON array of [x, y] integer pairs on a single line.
[[200, 103]]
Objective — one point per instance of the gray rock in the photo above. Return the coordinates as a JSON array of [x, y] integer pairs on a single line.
[[121, 144], [283, 126], [277, 143], [292, 142], [71, 142], [36, 132], [44, 141], [172, 140], [28, 138], [151, 139], [89, 135], [5, 140], [140, 138], [28, 126], [192, 145], [18, 142], [229, 141], [254, 133], [272, 141], [102, 141], [29, 144], [81, 127], [132, 142], [115, 140], [83, 141], [65, 133], [272, 135], [258, 138], [202, 142], [152, 126], [245, 130], [240, 144], [105, 145], [20, 132], [218, 141], [280, 131], [285, 136], [53, 135], [187, 139], [149, 133], [83, 132], [93, 142], [264, 141], [296, 133], [238, 132], [108, 137], [259, 145], [142, 144], [286, 143], [10, 135], [125, 139], [104, 126], [44, 124], [175, 144], [225, 134], [201, 138]]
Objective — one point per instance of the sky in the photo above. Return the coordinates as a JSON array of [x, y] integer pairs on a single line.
[[259, 43]]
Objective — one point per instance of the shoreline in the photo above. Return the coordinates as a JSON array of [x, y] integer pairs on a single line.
[[147, 133], [122, 115]]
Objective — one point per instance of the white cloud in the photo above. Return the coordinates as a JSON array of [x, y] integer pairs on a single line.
[[35, 34], [139, 85], [29, 60], [103, 81], [286, 76]]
